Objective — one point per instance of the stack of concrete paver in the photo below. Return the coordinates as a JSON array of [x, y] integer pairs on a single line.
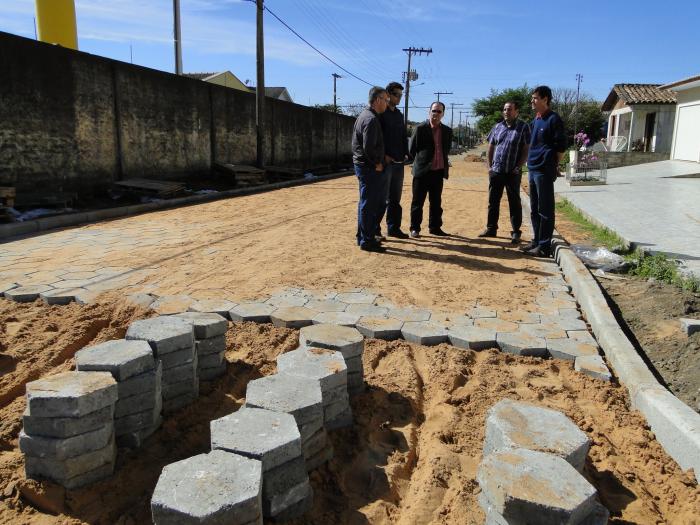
[[344, 339], [302, 399], [210, 343], [137, 413], [68, 434], [172, 342], [209, 489], [273, 439], [328, 368], [530, 471]]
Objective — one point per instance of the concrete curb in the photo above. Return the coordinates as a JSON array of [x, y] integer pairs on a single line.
[[676, 425], [73, 219]]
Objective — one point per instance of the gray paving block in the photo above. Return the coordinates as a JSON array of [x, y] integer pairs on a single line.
[[26, 294], [471, 337], [328, 305], [569, 313], [451, 319], [59, 296], [287, 300], [594, 366], [496, 324], [522, 344], [410, 315], [178, 388], [144, 382], [143, 300], [211, 361], [137, 438], [215, 306], [252, 312], [519, 317], [481, 313], [583, 336], [71, 394], [209, 374], [570, 349], [336, 395], [544, 330], [367, 310], [338, 318], [87, 296], [137, 403], [356, 297], [64, 448], [281, 502], [177, 358], [316, 364], [174, 404], [270, 437], [332, 410], [213, 345], [6, 286], [344, 339], [172, 304], [285, 393], [138, 421], [123, 359], [315, 442], [342, 420], [514, 424], [65, 427], [292, 317], [165, 333], [380, 328], [424, 333], [214, 488], [519, 484], [566, 323], [689, 326], [65, 469], [284, 478], [298, 509], [205, 325], [315, 461], [354, 365]]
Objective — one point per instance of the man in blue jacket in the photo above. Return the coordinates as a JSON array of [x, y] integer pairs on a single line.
[[547, 145]]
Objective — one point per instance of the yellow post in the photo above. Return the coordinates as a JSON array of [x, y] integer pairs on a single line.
[[55, 20]]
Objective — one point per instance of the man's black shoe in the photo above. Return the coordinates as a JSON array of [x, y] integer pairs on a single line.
[[438, 232], [538, 251], [373, 247], [528, 246], [487, 233], [398, 234], [515, 238]]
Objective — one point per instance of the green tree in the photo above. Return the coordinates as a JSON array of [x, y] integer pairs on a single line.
[[490, 109], [329, 107]]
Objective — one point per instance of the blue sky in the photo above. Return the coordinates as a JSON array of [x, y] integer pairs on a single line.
[[477, 45]]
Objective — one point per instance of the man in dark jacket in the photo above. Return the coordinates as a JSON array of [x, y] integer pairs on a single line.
[[547, 145], [429, 147], [368, 160]]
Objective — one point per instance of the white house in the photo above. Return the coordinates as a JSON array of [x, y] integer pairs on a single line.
[[686, 134], [643, 114]]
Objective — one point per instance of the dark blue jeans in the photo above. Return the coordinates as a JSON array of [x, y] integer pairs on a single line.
[[542, 205], [391, 204], [371, 194]]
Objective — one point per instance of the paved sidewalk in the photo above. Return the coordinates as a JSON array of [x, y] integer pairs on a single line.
[[653, 205]]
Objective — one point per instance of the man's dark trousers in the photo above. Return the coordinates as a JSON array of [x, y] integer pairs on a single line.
[[371, 195], [391, 204], [511, 182], [542, 206], [429, 184]]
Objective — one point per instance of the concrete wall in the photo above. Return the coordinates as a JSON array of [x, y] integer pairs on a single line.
[[632, 158], [686, 137], [76, 122]]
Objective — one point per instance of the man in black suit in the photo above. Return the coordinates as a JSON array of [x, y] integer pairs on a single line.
[[429, 147]]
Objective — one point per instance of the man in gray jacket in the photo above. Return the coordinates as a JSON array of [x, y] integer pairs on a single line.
[[368, 160]]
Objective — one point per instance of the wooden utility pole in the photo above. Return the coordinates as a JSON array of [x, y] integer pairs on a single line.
[[411, 51], [579, 78], [438, 93], [452, 117], [336, 76], [178, 37], [260, 89], [459, 127]]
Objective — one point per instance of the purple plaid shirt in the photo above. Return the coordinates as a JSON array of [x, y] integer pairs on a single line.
[[509, 143]]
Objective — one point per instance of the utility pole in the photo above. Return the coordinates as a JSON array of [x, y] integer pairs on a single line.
[[260, 89], [452, 117], [178, 37], [411, 51], [438, 93], [459, 127], [336, 76], [579, 78]]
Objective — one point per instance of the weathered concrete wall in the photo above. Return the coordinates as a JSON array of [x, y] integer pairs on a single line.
[[76, 122], [632, 158]]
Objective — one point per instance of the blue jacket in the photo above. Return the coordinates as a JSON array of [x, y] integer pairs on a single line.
[[547, 139]]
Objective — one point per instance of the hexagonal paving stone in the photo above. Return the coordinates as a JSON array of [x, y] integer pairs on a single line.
[[550, 302], [424, 333], [123, 359], [338, 318], [594, 366], [218, 487], [409, 315], [60, 296], [544, 330], [289, 394], [569, 313], [367, 310], [519, 317], [215, 306], [570, 349], [514, 424], [71, 394], [165, 334], [356, 297], [172, 304], [346, 340], [472, 337], [285, 301], [317, 364], [583, 336], [380, 328], [87, 296], [328, 305], [206, 325], [479, 312], [566, 323], [292, 317], [7, 285], [26, 294], [495, 324], [451, 319], [521, 344], [254, 312], [519, 484]]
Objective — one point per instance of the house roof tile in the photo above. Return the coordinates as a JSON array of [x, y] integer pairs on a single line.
[[632, 94]]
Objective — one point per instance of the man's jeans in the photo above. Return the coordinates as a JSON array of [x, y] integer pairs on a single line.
[[511, 183], [371, 194], [542, 205], [391, 204]]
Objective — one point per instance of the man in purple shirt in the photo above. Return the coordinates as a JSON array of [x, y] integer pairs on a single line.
[[508, 145]]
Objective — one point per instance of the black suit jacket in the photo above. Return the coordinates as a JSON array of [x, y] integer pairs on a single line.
[[422, 148]]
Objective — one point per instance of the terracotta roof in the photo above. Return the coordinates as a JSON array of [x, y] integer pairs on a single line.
[[632, 94]]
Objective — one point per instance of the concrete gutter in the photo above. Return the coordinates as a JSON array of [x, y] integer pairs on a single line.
[[73, 219]]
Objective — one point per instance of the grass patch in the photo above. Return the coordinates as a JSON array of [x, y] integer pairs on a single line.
[[601, 236]]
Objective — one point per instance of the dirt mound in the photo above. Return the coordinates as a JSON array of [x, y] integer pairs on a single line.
[[474, 158]]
